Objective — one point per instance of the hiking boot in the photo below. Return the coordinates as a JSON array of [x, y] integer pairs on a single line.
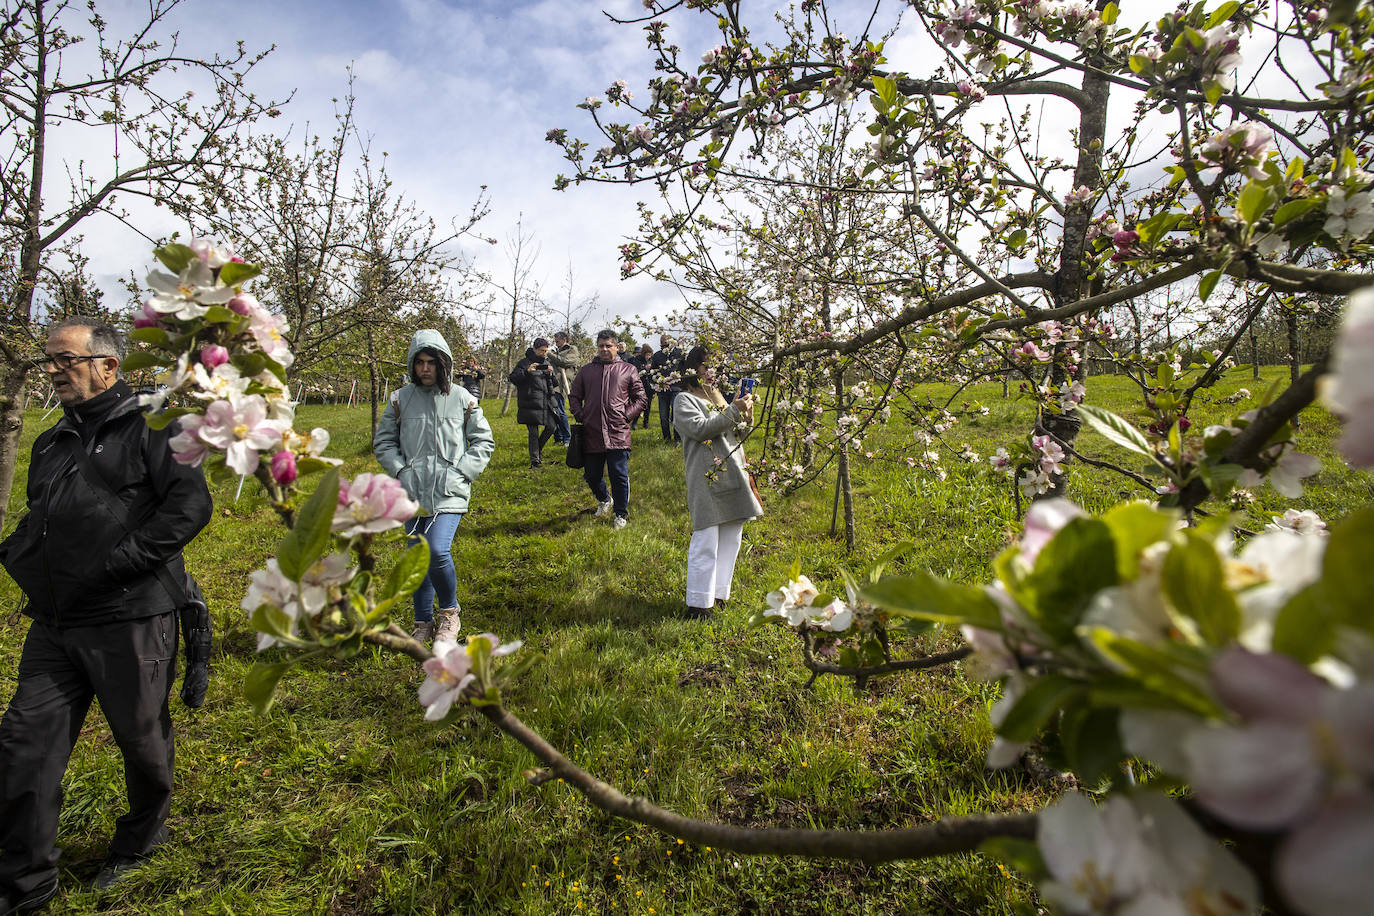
[[620, 522], [603, 509], [423, 632], [698, 613], [449, 623], [15, 902]]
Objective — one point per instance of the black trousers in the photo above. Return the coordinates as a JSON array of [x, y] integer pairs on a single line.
[[129, 667], [537, 440]]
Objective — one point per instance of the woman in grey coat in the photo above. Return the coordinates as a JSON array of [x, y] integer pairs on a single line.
[[718, 492]]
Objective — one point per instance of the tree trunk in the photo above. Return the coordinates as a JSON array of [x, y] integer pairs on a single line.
[[11, 425], [1254, 353], [1294, 348], [374, 395]]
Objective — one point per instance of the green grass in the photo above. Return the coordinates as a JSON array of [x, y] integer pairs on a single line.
[[343, 800]]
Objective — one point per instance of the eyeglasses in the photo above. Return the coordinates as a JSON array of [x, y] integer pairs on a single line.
[[64, 361]]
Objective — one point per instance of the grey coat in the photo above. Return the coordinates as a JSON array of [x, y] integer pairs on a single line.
[[565, 362], [430, 442], [708, 434]]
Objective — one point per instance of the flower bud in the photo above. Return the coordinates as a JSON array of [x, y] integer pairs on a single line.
[[213, 355], [284, 467]]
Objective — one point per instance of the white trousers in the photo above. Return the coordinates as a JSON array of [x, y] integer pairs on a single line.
[[711, 563]]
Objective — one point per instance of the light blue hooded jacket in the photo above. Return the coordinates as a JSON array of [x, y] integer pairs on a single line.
[[429, 442]]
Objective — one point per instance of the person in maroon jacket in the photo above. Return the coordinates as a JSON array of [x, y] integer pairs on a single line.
[[606, 397]]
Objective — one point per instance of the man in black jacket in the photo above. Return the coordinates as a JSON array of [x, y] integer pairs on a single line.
[[666, 364], [100, 591]]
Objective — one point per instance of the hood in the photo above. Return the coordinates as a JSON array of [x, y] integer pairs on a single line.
[[427, 338], [529, 353]]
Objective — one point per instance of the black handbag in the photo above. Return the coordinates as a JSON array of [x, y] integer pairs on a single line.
[[573, 457]]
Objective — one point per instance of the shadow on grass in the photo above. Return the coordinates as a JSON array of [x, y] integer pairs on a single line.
[[547, 526]]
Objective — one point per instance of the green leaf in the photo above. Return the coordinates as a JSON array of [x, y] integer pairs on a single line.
[[162, 418], [219, 314], [306, 542], [929, 597], [234, 273], [249, 364], [273, 621], [1092, 741], [1141, 64], [1222, 14], [155, 336], [875, 570], [1135, 526], [1253, 201], [1294, 209], [260, 686], [1208, 283], [142, 359], [1177, 673], [1295, 171], [1032, 710], [1016, 239], [1305, 627], [1194, 582], [409, 572], [1347, 570], [1076, 564], [1116, 430], [1109, 13], [886, 89], [1214, 92], [174, 256]]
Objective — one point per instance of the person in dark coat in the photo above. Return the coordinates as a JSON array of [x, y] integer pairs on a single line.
[[535, 386], [99, 590], [470, 376], [641, 361], [666, 365], [606, 397]]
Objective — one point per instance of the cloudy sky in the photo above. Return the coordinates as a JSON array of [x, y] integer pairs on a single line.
[[459, 94]]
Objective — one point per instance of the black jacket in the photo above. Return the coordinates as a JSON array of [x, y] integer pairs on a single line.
[[70, 555], [534, 389], [645, 375], [665, 363], [471, 379]]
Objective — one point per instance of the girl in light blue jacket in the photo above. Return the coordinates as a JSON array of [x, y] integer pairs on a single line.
[[434, 440]]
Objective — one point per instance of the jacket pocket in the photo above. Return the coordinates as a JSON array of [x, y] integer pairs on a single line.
[[455, 484]]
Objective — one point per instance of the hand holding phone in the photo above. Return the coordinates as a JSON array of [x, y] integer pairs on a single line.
[[746, 386]]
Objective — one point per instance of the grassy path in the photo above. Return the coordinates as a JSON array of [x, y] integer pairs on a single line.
[[343, 800]]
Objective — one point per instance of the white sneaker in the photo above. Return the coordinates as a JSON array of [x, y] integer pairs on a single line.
[[620, 522], [602, 510]]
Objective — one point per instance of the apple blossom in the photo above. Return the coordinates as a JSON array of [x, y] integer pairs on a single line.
[[1349, 216], [284, 467], [189, 295], [187, 446], [371, 503], [213, 254], [1349, 390], [792, 601], [1303, 522], [241, 430]]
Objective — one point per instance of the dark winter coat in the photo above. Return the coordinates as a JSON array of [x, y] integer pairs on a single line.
[[607, 398], [76, 563], [534, 388], [665, 363], [642, 364], [471, 379]]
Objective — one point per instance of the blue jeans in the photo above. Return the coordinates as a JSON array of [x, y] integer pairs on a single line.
[[665, 415], [616, 464], [442, 580], [561, 434]]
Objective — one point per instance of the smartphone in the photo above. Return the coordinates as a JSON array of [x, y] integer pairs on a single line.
[[746, 386]]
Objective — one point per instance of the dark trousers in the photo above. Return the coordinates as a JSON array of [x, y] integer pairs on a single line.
[[561, 433], [537, 440], [615, 464], [129, 667], [665, 415], [648, 410]]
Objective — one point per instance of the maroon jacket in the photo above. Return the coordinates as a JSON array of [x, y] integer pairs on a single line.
[[606, 398]]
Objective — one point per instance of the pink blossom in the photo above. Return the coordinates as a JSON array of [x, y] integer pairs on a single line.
[[1029, 348], [1043, 521], [284, 467], [241, 429], [149, 318], [187, 447], [1079, 196], [212, 355], [447, 675], [371, 503], [244, 304], [1349, 390]]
